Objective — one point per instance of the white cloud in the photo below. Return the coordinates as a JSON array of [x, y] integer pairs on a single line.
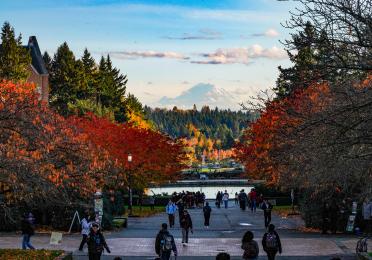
[[148, 54], [242, 55], [271, 33]]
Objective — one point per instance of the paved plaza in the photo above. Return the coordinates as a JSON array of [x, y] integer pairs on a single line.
[[224, 235]]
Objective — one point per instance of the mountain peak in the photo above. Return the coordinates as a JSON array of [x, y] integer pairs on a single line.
[[202, 94]]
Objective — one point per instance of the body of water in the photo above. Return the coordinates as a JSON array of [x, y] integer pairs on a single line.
[[209, 191]]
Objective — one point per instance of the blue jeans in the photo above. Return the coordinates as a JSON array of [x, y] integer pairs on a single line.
[[226, 203], [26, 242], [253, 206]]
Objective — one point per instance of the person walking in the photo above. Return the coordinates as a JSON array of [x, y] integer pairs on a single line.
[[186, 225], [207, 214], [250, 247], [27, 231], [181, 207], [85, 229], [271, 243], [152, 202], [243, 198], [164, 243], [218, 199], [96, 243], [267, 208], [253, 199], [236, 198], [225, 199], [171, 209]]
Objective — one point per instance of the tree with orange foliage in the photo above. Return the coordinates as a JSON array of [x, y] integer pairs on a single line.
[[156, 158], [316, 141], [44, 161]]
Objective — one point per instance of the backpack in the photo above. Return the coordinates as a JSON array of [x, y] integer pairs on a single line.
[[250, 251], [166, 243], [362, 245], [271, 241]]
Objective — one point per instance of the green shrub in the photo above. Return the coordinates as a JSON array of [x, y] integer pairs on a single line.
[[19, 254]]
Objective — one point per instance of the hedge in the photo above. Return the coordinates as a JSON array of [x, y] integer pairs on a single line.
[[20, 254]]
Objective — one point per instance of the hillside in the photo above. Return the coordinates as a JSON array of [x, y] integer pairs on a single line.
[[221, 126]]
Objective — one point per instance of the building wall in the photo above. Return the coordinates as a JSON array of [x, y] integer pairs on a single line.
[[42, 83]]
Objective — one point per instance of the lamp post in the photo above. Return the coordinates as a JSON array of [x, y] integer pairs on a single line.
[[130, 184]]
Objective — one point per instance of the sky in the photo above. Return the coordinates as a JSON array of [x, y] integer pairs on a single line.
[[166, 47]]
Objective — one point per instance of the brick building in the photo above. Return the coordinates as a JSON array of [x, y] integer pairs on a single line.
[[39, 74]]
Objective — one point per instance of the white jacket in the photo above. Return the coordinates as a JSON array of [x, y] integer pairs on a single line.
[[85, 227]]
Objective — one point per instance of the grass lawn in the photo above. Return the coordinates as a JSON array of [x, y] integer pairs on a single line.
[[219, 170], [284, 211], [19, 254], [146, 211]]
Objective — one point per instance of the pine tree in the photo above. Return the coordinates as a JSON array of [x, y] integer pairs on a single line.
[[14, 58], [65, 79], [111, 88], [47, 60], [307, 59], [91, 74]]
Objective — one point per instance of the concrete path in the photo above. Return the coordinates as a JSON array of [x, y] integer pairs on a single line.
[[224, 235]]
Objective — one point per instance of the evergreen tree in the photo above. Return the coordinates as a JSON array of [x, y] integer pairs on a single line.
[[90, 73], [308, 54], [47, 60], [14, 58], [66, 79], [133, 104], [111, 89]]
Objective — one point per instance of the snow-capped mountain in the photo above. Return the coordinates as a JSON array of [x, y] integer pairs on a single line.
[[201, 95]]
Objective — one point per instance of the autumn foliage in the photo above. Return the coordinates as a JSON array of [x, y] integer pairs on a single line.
[[48, 161], [316, 141], [264, 138], [156, 158]]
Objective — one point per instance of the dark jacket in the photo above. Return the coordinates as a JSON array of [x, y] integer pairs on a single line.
[[160, 237], [267, 208], [181, 207], [96, 242], [243, 196], [247, 246], [207, 210], [186, 221], [27, 228], [279, 245]]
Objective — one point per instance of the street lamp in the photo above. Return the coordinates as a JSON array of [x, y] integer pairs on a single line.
[[130, 185]]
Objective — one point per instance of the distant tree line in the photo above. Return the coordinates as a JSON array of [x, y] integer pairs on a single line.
[[223, 126]]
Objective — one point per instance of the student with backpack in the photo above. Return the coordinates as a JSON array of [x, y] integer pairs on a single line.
[[249, 246], [207, 214], [96, 243], [164, 243], [271, 243]]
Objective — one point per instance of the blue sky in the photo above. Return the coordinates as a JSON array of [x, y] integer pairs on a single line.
[[166, 47]]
